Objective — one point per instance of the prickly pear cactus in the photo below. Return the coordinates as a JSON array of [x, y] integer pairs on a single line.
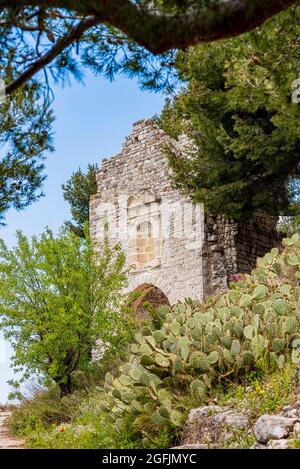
[[197, 345]]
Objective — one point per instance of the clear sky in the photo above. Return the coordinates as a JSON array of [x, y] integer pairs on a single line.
[[91, 123]]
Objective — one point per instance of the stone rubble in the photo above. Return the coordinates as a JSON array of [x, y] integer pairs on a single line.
[[272, 427], [213, 425]]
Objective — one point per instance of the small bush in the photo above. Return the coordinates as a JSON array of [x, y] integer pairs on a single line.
[[93, 433], [49, 424], [43, 409], [40, 412]]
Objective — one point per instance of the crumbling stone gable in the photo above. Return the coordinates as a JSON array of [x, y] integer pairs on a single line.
[[178, 266]]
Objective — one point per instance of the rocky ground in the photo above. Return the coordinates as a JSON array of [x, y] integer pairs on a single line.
[[6, 440], [215, 427]]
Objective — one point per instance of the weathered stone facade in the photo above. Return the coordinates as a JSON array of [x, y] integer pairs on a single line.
[[167, 240]]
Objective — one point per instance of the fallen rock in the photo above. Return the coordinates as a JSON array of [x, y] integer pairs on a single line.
[[272, 427], [237, 421], [292, 414], [204, 411], [286, 408], [278, 444], [292, 410]]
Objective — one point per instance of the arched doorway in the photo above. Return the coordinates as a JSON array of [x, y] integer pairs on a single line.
[[148, 297]]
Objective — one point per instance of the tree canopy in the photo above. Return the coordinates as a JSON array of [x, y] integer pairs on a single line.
[[238, 111], [25, 136]]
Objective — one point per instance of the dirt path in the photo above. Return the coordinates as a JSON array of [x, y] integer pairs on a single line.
[[6, 440]]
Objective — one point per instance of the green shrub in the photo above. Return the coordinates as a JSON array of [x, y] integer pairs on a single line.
[[253, 327], [94, 433], [41, 411], [61, 297], [49, 423]]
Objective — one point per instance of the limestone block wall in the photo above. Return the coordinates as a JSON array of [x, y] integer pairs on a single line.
[[254, 239], [220, 254]]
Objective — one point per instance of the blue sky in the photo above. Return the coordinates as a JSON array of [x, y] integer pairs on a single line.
[[91, 123]]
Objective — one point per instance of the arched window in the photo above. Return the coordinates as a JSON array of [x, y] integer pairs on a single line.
[[144, 231]]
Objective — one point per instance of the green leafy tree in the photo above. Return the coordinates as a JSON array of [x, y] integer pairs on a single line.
[[58, 297], [77, 191], [238, 112]]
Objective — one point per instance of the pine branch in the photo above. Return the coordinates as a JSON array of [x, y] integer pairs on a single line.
[[220, 20], [73, 35]]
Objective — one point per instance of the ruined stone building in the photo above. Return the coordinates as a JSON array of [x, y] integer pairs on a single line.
[[175, 252]]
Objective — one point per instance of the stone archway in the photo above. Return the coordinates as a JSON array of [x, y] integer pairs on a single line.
[[148, 295]]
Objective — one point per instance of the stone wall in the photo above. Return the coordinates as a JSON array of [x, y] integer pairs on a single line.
[[134, 190], [141, 174], [220, 255], [232, 247], [254, 239]]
